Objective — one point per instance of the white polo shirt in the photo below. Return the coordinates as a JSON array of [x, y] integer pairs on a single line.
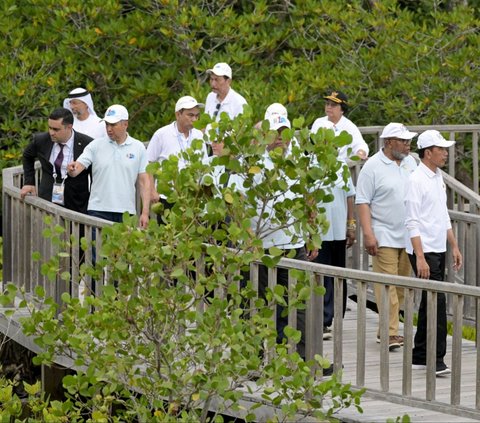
[[381, 184], [168, 141], [232, 104], [345, 124], [269, 230], [426, 210], [115, 169], [336, 210]]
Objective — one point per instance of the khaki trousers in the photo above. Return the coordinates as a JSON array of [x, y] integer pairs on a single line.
[[392, 261]]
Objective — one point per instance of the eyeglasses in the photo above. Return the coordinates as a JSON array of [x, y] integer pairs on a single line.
[[406, 142], [217, 109]]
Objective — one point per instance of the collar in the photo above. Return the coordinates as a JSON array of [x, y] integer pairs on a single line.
[[225, 100], [427, 171], [388, 161], [127, 141], [69, 142]]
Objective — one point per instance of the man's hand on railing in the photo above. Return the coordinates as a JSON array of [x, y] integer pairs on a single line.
[[28, 190]]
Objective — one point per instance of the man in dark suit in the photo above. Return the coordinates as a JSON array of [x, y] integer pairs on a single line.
[[55, 149]]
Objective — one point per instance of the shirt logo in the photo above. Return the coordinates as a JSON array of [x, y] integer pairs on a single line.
[[130, 156]]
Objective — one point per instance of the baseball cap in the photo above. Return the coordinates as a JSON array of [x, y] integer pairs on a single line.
[[276, 109], [221, 69], [115, 114], [432, 138], [278, 121], [337, 97], [397, 130], [322, 123], [187, 102]]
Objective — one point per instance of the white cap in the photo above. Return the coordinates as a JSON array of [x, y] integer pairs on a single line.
[[277, 122], [115, 114], [276, 109], [397, 130], [221, 69], [432, 138], [187, 102], [321, 123]]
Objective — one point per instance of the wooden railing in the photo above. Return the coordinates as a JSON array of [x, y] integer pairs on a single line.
[[379, 385], [24, 223]]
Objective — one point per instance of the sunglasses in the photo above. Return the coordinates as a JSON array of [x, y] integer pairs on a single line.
[[217, 109]]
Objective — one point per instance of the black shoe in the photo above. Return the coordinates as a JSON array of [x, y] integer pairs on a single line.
[[329, 370], [327, 333], [442, 369]]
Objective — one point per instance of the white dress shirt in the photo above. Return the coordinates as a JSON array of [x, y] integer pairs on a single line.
[[426, 210]]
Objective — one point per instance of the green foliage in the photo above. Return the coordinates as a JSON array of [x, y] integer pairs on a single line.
[[403, 419], [394, 64], [35, 408], [183, 332]]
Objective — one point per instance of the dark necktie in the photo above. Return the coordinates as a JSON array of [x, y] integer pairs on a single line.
[[58, 161]]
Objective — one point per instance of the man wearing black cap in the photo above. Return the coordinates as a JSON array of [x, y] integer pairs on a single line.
[[336, 107], [86, 121]]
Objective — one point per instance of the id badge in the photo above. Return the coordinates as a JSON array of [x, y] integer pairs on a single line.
[[57, 193]]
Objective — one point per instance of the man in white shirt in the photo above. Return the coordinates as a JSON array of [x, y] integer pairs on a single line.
[[339, 236], [381, 209], [86, 121], [173, 139], [336, 107], [118, 163], [223, 97], [285, 237], [429, 228]]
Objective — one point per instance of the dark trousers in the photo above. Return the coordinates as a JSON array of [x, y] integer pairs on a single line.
[[113, 217], [333, 254], [436, 261], [282, 320]]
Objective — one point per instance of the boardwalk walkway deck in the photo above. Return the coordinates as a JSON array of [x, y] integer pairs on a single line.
[[378, 410]]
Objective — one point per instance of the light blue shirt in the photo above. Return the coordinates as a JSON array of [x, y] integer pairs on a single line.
[[381, 184], [115, 169]]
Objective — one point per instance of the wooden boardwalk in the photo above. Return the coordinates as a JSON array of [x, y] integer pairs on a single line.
[[374, 409], [378, 410]]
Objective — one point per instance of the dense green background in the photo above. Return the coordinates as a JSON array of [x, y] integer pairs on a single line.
[[415, 62]]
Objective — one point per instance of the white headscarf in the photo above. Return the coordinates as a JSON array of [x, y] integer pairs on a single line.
[[80, 94]]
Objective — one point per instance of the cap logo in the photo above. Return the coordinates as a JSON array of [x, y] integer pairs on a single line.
[[279, 119], [111, 112]]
